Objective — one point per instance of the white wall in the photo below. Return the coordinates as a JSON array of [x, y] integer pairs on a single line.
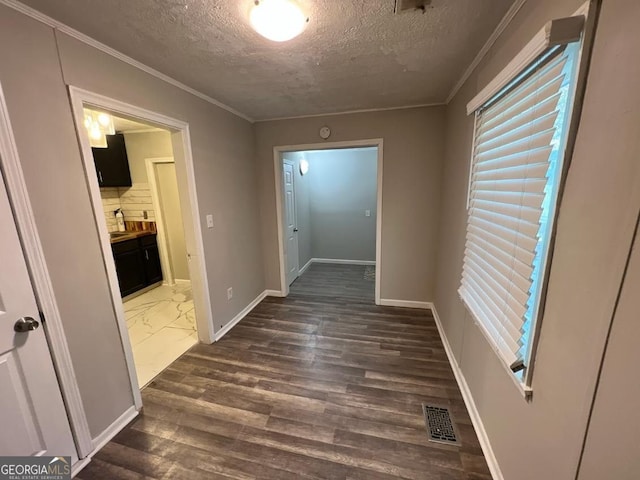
[[342, 186], [543, 438]]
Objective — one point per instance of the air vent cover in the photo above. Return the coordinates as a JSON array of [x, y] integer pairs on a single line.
[[408, 5], [439, 425]]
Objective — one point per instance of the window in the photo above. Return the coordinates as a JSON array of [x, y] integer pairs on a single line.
[[521, 127]]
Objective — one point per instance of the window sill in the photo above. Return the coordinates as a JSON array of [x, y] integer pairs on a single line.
[[525, 390]]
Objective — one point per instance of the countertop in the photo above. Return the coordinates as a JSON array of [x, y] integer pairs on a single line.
[[117, 237]]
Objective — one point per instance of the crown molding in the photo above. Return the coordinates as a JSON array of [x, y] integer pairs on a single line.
[[504, 23], [41, 17], [350, 112]]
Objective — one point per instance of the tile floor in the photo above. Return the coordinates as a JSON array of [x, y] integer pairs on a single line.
[[161, 324]]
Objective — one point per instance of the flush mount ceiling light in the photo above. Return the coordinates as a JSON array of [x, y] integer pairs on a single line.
[[278, 20]]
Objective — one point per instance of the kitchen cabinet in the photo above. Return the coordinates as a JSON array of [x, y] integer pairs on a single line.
[[151, 254], [137, 263], [112, 163]]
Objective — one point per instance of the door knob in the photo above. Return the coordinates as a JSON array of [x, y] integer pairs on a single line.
[[25, 324], [295, 229]]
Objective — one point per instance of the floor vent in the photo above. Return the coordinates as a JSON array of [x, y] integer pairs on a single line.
[[440, 427]]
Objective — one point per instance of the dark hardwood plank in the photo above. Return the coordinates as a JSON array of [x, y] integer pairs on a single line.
[[320, 385]]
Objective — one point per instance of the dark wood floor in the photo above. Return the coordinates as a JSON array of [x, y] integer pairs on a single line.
[[308, 387], [335, 280]]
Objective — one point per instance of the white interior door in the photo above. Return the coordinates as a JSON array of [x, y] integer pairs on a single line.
[[291, 236], [32, 415]]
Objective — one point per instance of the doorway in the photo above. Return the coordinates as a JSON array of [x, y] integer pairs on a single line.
[[140, 175], [329, 218]]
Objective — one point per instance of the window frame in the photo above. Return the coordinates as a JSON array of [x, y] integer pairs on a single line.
[[541, 44]]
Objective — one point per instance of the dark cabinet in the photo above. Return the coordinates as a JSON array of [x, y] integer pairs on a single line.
[[112, 163], [130, 266], [152, 269], [137, 263]]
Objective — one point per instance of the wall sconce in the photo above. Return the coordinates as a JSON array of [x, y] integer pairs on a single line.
[[304, 167]]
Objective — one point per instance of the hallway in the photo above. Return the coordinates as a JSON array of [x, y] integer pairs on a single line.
[[311, 386]]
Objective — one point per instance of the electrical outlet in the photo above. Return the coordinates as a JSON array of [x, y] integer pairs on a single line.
[[210, 221], [145, 214], [229, 293], [367, 213]]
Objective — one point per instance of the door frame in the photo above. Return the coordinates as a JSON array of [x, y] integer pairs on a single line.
[[278, 171], [163, 243], [295, 216], [199, 280], [41, 281]]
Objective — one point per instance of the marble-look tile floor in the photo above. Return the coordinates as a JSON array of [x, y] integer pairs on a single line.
[[162, 326]]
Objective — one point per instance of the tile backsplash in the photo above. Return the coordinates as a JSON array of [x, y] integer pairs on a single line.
[[134, 201]]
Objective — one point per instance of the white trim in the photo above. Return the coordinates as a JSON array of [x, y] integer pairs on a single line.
[[335, 260], [524, 390], [163, 244], [277, 162], [105, 437], [306, 265], [341, 261], [351, 112], [204, 316], [502, 26], [112, 430], [483, 438], [243, 313], [555, 32], [388, 302], [77, 467], [53, 23], [274, 293], [141, 130], [43, 289]]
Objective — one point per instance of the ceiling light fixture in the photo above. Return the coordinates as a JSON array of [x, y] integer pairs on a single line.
[[278, 20], [304, 167], [98, 125]]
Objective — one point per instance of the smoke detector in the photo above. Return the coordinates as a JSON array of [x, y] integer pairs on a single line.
[[407, 5]]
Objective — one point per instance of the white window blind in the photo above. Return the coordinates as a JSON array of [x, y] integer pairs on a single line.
[[513, 184]]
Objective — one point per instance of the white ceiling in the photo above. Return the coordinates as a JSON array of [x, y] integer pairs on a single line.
[[354, 54]]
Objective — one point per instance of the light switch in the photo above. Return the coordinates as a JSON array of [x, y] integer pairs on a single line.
[[210, 221], [367, 213]]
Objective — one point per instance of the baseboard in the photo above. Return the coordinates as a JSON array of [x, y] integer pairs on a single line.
[[274, 293], [405, 303], [483, 438], [113, 429], [240, 316], [306, 265], [77, 467], [105, 437], [340, 261]]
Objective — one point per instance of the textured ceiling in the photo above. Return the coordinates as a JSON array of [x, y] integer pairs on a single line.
[[354, 54]]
